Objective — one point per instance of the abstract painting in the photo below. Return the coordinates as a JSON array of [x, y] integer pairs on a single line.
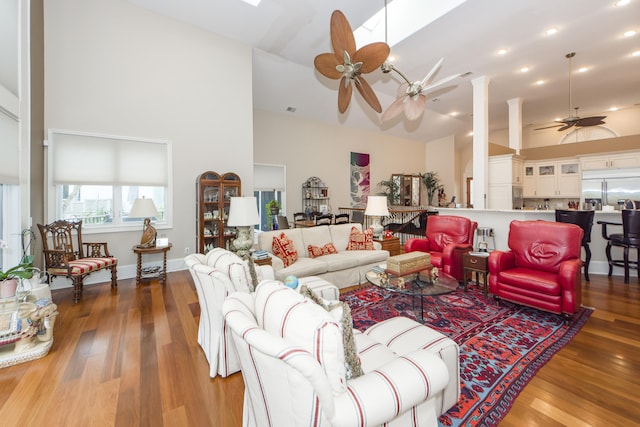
[[360, 183]]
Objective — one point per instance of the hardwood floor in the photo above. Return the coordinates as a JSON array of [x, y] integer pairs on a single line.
[[131, 359]]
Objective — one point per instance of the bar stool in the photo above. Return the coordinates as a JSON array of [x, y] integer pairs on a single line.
[[583, 219], [629, 238]]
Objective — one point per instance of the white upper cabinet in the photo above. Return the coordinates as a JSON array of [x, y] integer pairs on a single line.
[[610, 161]]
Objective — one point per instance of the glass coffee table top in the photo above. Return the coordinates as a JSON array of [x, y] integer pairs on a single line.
[[415, 284]]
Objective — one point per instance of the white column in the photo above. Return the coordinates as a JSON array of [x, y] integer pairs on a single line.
[[515, 124], [480, 141]]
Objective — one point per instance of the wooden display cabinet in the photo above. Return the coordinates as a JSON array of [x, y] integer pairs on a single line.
[[213, 198]]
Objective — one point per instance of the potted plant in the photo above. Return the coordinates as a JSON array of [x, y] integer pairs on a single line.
[[432, 182], [392, 191], [273, 208], [9, 278]]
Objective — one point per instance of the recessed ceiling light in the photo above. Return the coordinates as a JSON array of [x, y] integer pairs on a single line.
[[622, 2], [453, 113], [470, 133], [524, 69], [583, 69], [630, 33], [502, 51], [540, 82], [613, 109], [636, 53], [551, 31], [391, 58], [252, 2]]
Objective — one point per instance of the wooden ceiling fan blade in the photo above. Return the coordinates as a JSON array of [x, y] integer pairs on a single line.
[[549, 127], [341, 35], [372, 56], [368, 94], [326, 64], [590, 121], [414, 107], [344, 94], [567, 126]]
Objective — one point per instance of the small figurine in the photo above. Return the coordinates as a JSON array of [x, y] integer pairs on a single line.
[[434, 275]]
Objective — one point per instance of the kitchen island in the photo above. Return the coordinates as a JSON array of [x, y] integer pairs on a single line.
[[499, 221]]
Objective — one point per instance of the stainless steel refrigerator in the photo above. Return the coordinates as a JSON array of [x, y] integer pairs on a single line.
[[611, 186]]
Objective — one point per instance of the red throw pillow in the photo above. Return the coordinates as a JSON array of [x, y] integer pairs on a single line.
[[360, 241], [284, 249], [316, 251]]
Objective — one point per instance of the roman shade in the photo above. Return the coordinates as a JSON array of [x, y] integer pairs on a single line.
[[87, 159], [9, 143]]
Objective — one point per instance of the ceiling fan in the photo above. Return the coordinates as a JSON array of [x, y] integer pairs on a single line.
[[348, 64], [574, 120]]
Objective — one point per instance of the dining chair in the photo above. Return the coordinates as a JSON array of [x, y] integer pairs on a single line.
[[583, 219], [325, 219], [628, 239], [282, 221], [342, 218]]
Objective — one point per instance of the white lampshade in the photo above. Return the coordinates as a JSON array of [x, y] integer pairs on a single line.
[[143, 208], [243, 211], [377, 206]]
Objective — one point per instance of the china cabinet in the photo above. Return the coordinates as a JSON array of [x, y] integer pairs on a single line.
[[213, 197], [408, 188], [315, 196]]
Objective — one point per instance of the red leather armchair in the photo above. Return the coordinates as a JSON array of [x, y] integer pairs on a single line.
[[542, 267], [447, 238]]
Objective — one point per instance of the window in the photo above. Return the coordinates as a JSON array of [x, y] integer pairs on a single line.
[[268, 184], [101, 192]]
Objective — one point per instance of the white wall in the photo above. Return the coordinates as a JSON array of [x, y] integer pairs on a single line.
[[113, 68], [311, 148]]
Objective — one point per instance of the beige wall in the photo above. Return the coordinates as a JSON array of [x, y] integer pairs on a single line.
[[113, 68], [441, 158], [310, 148]]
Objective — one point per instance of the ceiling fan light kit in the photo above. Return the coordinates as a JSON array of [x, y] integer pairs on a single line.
[[348, 64]]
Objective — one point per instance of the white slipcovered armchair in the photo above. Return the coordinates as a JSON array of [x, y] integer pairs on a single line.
[[293, 365], [216, 275]]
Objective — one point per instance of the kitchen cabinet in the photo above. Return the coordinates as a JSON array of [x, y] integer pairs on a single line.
[[553, 178], [505, 169], [611, 161]]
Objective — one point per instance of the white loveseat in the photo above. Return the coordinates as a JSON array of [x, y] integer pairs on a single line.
[[346, 268]]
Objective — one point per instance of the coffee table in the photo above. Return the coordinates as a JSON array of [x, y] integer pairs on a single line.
[[413, 285]]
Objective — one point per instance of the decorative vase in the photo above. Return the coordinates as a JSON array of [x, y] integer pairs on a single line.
[[8, 288]]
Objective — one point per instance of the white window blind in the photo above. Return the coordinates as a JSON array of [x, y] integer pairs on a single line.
[[268, 177], [9, 149], [95, 159]]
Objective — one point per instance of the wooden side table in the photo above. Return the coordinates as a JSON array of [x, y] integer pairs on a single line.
[[162, 275], [392, 245], [262, 261], [478, 264]]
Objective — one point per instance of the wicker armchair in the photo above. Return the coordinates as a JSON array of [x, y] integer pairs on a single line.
[[65, 254]]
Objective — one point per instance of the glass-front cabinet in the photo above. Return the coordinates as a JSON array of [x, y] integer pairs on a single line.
[[213, 198], [408, 189]]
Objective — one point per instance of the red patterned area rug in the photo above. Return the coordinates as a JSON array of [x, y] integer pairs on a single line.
[[501, 346]]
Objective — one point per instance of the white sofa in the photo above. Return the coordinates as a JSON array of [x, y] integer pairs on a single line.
[[346, 268], [293, 360]]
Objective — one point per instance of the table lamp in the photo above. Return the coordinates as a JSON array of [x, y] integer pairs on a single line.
[[376, 209], [243, 214], [145, 208]]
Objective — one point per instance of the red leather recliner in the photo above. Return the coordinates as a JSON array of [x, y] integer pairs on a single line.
[[542, 267], [447, 238]]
